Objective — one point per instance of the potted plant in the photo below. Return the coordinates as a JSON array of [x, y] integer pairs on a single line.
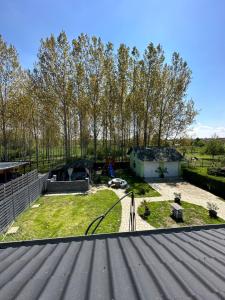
[[212, 207], [147, 210], [177, 198], [161, 170]]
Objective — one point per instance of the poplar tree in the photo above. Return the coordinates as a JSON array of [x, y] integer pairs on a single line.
[[9, 75]]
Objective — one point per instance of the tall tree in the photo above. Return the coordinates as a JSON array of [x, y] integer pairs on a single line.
[[95, 86], [9, 75], [54, 64], [123, 58]]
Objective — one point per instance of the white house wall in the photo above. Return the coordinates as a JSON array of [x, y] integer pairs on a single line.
[[172, 168], [139, 165], [150, 168]]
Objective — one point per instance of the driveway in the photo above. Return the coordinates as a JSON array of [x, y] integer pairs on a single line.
[[189, 193]]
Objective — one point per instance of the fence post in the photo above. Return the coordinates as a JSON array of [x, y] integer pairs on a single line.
[[13, 207], [39, 185], [11, 187], [28, 192]]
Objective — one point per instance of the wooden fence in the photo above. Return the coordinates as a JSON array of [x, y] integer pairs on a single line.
[[18, 194]]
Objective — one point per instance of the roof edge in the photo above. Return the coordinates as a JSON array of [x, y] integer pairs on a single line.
[[109, 235]]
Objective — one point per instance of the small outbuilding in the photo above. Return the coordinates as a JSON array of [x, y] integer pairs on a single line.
[[11, 170], [155, 162], [71, 177]]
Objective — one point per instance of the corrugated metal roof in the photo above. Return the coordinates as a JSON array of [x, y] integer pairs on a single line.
[[161, 264], [12, 165]]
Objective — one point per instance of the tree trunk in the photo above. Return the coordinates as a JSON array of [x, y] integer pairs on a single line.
[[4, 139]]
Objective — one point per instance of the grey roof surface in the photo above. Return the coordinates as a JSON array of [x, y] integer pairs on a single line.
[[11, 165], [158, 154], [159, 264]]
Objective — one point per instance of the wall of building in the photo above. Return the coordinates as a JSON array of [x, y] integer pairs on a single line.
[[150, 167], [67, 186], [173, 169], [136, 165]]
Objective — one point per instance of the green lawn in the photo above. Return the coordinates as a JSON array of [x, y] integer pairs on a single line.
[[137, 185], [192, 215], [60, 216]]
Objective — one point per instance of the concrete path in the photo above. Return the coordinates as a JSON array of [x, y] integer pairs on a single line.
[[125, 203]]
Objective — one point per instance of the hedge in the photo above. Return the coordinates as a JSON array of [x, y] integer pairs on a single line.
[[212, 184]]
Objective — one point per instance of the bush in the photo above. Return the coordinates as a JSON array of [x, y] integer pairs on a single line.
[[213, 184], [142, 191], [216, 171]]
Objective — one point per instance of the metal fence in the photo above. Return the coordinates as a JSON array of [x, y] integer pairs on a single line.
[[202, 163], [15, 200], [15, 185]]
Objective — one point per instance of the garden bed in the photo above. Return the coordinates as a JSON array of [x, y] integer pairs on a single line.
[[160, 215]]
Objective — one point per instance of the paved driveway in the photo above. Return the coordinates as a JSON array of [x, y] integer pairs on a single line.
[[189, 193]]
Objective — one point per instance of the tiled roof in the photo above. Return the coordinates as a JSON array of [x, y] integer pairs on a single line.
[[161, 264], [158, 154]]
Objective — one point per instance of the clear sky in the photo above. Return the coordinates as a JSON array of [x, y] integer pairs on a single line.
[[194, 28]]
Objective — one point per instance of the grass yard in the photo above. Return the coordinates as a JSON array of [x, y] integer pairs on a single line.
[[136, 184], [192, 215], [60, 216]]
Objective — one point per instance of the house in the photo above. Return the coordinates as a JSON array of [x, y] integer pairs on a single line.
[[175, 263], [155, 162]]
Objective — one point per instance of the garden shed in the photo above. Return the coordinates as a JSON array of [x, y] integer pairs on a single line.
[[155, 162], [71, 177], [11, 170]]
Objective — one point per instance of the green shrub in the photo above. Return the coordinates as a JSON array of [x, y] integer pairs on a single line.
[[213, 184], [142, 191]]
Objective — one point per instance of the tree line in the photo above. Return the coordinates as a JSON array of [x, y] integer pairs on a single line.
[[88, 95]]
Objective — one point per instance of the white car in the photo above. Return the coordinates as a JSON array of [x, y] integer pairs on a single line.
[[117, 183]]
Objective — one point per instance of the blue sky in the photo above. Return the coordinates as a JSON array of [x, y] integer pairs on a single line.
[[194, 28]]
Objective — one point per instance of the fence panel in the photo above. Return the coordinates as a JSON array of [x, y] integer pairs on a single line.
[[15, 185], [19, 199]]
